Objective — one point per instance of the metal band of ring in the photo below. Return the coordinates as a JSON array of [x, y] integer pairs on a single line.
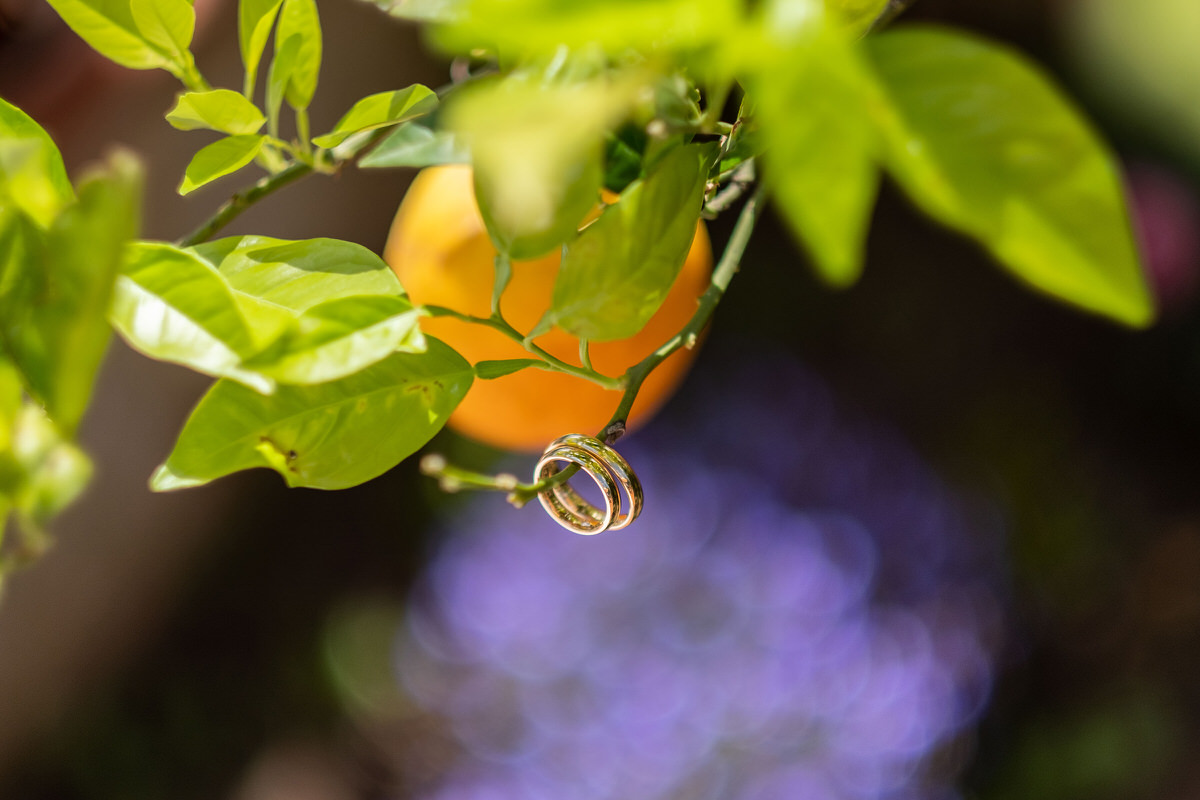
[[573, 512], [617, 466]]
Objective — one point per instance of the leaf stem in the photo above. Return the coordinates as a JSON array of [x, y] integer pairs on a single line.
[[688, 335], [242, 200]]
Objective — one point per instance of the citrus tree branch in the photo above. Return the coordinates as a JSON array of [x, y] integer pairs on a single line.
[[242, 200], [687, 336]]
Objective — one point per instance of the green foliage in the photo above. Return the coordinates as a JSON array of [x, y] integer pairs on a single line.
[[255, 18], [1014, 166], [380, 110], [32, 175], [298, 20], [617, 272], [329, 436], [221, 110], [415, 145], [220, 159]]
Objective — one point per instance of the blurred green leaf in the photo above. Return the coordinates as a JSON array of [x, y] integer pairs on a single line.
[[328, 436], [414, 145], [220, 110], [168, 25], [255, 18], [342, 336], [490, 370], [985, 143], [283, 64], [32, 175], [379, 110], [524, 28], [57, 286], [857, 15], [53, 470], [820, 148], [109, 27], [220, 159], [299, 18], [537, 152], [617, 272], [172, 305], [423, 10], [301, 274]]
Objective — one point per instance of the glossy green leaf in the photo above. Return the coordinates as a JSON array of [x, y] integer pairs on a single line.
[[302, 274], [328, 436], [379, 110], [57, 286], [985, 143], [490, 370], [342, 336], [820, 150], [172, 305], [255, 18], [220, 110], [299, 18], [537, 152], [32, 175], [109, 27], [617, 272], [168, 25], [414, 145], [219, 159]]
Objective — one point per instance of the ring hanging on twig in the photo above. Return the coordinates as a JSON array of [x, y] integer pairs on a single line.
[[607, 468]]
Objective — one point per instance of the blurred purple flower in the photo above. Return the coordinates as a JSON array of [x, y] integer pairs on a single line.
[[802, 611]]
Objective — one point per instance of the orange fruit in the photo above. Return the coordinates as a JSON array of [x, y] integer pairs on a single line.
[[440, 250]]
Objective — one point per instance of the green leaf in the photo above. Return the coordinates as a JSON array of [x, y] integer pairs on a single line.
[[220, 110], [32, 175], [857, 15], [986, 144], [299, 18], [302, 274], [283, 64], [255, 18], [379, 110], [328, 436], [537, 151], [820, 150], [219, 159], [342, 336], [57, 286], [423, 10], [172, 305], [617, 272], [168, 26], [490, 370], [414, 145], [109, 27]]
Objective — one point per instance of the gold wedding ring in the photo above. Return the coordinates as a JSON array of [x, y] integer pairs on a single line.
[[607, 468]]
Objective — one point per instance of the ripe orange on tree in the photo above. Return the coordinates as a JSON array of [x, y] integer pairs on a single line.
[[440, 250]]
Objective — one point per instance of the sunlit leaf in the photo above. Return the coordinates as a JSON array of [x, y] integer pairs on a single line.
[[379, 110], [342, 336], [302, 274], [283, 64], [299, 18], [327, 436], [617, 272], [219, 159], [108, 26], [537, 151], [53, 470], [255, 18], [32, 175], [57, 287], [490, 370], [986, 144], [168, 25], [414, 145], [423, 10], [172, 305], [220, 110]]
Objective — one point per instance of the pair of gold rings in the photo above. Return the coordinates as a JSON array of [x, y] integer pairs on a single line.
[[603, 465]]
